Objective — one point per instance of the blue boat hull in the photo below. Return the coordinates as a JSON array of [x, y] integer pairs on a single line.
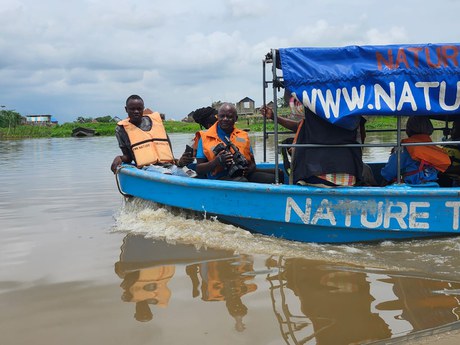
[[306, 233], [307, 214]]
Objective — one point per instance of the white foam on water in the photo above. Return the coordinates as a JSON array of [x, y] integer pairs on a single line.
[[154, 221]]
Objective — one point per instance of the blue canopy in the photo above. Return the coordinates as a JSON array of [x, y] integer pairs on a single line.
[[336, 83]]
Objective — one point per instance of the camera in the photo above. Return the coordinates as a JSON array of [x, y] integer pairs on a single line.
[[189, 149], [239, 162], [219, 148]]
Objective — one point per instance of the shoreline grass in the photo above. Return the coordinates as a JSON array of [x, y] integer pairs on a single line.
[[108, 129]]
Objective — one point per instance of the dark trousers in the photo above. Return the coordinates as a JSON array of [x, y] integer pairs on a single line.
[[265, 176], [257, 176]]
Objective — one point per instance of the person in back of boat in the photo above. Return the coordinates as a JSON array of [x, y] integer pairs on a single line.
[[419, 164], [451, 177], [224, 152], [322, 166], [205, 117], [143, 140]]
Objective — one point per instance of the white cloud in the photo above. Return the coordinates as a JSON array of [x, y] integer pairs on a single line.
[[392, 35], [244, 8], [78, 58]]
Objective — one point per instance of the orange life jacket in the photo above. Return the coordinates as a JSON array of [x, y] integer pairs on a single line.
[[157, 277], [210, 139], [221, 274], [149, 147], [430, 155], [196, 139]]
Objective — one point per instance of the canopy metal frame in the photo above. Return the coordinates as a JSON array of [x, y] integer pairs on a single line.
[[277, 82]]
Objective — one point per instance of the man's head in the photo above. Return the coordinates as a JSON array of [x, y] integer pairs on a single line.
[[135, 107], [205, 117], [419, 125], [227, 117]]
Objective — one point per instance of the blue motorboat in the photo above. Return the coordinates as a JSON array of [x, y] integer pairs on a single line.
[[337, 83], [308, 214]]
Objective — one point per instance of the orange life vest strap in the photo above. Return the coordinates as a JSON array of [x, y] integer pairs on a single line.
[[431, 155]]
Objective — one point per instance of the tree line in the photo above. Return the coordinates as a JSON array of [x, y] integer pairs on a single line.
[[102, 119], [9, 119], [12, 119]]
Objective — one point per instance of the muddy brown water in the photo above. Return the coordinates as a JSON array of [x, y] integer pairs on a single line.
[[80, 265]]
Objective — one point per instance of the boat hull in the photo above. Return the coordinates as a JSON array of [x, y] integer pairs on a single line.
[[307, 214]]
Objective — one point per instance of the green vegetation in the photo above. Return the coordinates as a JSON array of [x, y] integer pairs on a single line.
[[11, 127], [9, 120], [381, 122], [389, 122], [57, 131], [102, 119]]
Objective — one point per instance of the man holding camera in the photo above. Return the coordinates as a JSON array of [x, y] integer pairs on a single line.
[[224, 152]]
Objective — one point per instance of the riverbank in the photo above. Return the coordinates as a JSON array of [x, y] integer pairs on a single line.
[[108, 129], [65, 130]]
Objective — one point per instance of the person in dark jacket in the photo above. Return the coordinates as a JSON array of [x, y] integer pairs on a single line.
[[323, 166]]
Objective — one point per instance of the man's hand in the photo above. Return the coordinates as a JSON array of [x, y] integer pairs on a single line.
[[116, 163], [267, 112], [185, 159], [224, 159]]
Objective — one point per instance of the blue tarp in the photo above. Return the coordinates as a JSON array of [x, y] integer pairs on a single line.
[[336, 83]]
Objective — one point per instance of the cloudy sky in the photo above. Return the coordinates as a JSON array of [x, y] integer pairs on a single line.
[[83, 58]]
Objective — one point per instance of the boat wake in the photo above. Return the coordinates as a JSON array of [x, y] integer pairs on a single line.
[[437, 257]]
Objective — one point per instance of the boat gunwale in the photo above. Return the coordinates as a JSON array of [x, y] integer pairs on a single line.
[[360, 191]]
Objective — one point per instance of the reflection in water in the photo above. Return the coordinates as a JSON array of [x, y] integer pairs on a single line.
[[353, 305], [313, 303], [147, 286], [224, 281], [147, 266]]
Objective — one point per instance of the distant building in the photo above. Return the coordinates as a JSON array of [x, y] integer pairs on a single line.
[[39, 120], [245, 106]]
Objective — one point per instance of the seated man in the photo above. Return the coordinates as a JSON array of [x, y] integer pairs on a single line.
[[218, 162], [143, 140], [322, 166], [419, 164]]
